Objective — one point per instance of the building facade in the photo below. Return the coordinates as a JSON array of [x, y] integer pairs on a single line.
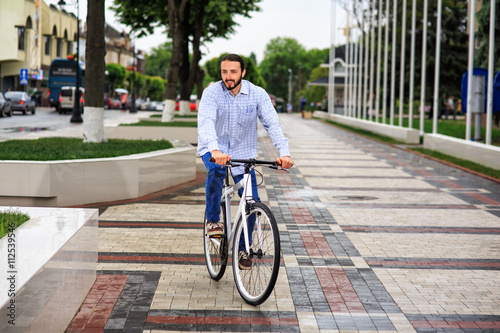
[[34, 33]]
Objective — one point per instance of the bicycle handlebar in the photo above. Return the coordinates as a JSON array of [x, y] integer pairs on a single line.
[[251, 161]]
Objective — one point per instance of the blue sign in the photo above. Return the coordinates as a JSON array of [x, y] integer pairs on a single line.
[[496, 93], [23, 79], [477, 71]]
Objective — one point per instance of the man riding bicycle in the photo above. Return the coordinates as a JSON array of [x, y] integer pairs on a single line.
[[227, 128]]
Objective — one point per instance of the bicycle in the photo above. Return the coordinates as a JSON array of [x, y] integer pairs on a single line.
[[263, 248]]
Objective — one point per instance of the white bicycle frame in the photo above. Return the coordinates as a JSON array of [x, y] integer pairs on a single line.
[[246, 183]]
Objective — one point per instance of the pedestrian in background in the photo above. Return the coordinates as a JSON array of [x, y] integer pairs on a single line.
[[451, 108], [303, 103], [442, 106]]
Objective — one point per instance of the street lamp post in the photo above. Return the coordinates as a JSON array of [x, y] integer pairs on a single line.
[[133, 108], [76, 116], [290, 75]]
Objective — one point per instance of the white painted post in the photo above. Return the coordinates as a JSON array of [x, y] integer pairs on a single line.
[[402, 67], [372, 62], [424, 61], [412, 62], [365, 88], [393, 65], [470, 69], [491, 59], [437, 68], [360, 76], [386, 46], [379, 50]]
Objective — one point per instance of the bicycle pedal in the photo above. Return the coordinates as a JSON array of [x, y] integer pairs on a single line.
[[215, 236]]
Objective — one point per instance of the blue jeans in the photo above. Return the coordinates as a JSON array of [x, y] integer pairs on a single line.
[[213, 193]]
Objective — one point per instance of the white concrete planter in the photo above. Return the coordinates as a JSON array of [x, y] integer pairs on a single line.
[[407, 135], [50, 264], [466, 150], [79, 182]]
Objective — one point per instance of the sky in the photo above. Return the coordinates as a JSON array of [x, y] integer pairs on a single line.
[[308, 21]]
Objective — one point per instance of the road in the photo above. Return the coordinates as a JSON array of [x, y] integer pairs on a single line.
[[48, 122]]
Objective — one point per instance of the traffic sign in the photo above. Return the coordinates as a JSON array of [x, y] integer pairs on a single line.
[[23, 79]]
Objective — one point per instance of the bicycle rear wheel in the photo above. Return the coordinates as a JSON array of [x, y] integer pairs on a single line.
[[256, 284], [216, 249]]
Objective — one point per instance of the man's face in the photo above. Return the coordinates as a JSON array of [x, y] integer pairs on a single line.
[[231, 74]]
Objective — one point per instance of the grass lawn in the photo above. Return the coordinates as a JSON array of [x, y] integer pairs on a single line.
[[176, 116], [164, 124], [10, 220], [450, 127], [56, 149]]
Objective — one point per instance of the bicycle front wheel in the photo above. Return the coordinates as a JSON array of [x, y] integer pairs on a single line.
[[216, 249], [256, 283]]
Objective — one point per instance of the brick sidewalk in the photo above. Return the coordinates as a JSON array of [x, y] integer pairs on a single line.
[[373, 239]]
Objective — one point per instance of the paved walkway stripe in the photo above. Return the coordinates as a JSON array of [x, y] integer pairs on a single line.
[[439, 230], [437, 264], [223, 321], [152, 258], [98, 305], [144, 224]]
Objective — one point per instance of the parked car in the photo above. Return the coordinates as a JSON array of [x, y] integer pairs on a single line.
[[148, 105], [192, 103], [21, 101], [139, 103], [114, 103], [67, 99], [5, 106], [159, 106]]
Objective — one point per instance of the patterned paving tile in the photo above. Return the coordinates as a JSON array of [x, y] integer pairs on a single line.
[[373, 238]]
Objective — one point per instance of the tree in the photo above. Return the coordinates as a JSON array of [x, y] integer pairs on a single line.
[[93, 127], [281, 54], [116, 75], [196, 21], [316, 93], [483, 33], [454, 44], [156, 88], [158, 61], [284, 53]]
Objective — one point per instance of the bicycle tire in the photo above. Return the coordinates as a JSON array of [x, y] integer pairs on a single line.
[[256, 284], [216, 249]]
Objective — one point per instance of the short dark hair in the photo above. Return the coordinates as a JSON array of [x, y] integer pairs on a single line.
[[234, 57]]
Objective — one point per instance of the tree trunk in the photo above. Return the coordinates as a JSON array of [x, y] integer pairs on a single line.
[[199, 86], [199, 8], [190, 71], [93, 126], [185, 89], [175, 14]]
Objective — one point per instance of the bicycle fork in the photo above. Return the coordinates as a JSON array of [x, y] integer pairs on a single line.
[[243, 210]]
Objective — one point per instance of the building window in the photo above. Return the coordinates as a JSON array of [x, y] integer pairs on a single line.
[[21, 37], [46, 41], [69, 47], [59, 47]]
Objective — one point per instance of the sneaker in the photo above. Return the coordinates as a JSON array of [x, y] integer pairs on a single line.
[[244, 262], [215, 229]]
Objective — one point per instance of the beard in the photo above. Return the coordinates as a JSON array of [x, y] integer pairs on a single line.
[[237, 83]]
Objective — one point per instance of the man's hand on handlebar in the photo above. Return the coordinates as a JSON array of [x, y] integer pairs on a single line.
[[219, 157], [285, 162]]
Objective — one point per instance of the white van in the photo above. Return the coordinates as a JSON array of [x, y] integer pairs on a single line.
[[67, 99]]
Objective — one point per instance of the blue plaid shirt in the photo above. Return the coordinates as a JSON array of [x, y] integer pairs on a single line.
[[229, 123]]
